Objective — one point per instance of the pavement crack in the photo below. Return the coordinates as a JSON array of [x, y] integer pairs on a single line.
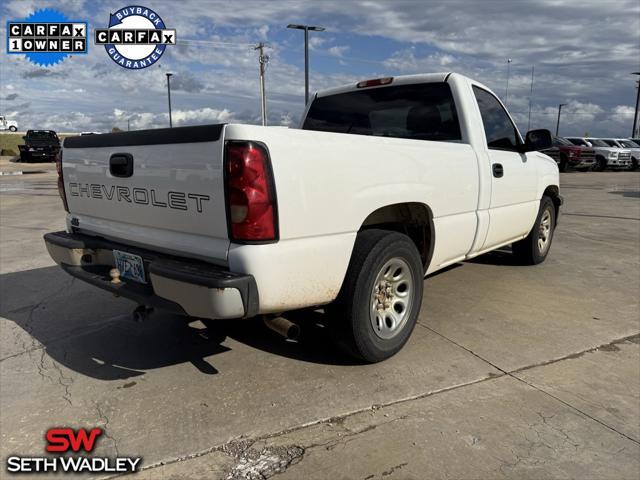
[[513, 373], [104, 419], [254, 464]]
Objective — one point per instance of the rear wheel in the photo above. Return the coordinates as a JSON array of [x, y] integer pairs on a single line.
[[380, 299], [13, 129], [533, 249]]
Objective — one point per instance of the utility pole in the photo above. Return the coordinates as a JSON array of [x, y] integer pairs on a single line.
[[558, 123], [530, 99], [306, 29], [634, 133], [169, 96], [263, 60], [506, 93], [128, 124]]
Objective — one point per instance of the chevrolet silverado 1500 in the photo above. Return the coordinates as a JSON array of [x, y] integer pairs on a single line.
[[386, 181]]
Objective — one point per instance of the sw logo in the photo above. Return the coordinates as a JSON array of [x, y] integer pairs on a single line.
[[136, 38], [64, 439], [46, 37], [67, 440]]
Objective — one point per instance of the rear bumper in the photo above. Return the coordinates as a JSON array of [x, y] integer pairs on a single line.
[[180, 285]]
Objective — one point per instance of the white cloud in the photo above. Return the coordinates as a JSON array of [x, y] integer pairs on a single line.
[[338, 50]]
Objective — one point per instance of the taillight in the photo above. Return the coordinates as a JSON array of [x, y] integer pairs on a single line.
[[61, 191], [375, 82], [251, 202]]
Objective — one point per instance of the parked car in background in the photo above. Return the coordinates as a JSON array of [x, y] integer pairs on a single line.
[[568, 155], [8, 124], [387, 181], [630, 145], [606, 156], [39, 146]]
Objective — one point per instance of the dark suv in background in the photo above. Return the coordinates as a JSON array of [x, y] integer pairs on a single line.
[[39, 146]]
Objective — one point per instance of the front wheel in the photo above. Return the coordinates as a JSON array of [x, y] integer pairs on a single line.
[[562, 166], [600, 165], [13, 129], [533, 249], [634, 164], [380, 299]]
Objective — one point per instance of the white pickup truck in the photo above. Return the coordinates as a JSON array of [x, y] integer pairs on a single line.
[[388, 180]]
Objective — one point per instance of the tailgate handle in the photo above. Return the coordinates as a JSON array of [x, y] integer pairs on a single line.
[[121, 165]]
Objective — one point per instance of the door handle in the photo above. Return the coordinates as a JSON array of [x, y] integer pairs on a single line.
[[498, 171], [121, 165]]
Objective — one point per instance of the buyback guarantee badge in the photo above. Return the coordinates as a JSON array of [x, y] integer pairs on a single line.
[[136, 38]]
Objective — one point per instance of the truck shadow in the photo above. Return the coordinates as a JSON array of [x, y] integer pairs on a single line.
[[92, 333]]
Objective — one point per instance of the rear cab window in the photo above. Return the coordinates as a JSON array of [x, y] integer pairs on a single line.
[[423, 111]]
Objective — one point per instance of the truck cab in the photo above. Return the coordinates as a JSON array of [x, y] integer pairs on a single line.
[[9, 125]]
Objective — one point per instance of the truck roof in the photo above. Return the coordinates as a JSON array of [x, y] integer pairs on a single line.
[[397, 80]]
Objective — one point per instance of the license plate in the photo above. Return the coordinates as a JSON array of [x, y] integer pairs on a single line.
[[130, 266]]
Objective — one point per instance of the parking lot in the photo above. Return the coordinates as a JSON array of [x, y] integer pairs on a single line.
[[511, 372]]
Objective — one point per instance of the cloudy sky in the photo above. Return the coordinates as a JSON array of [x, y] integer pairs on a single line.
[[583, 52]]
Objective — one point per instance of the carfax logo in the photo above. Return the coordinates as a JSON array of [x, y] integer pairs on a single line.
[[46, 37], [136, 38]]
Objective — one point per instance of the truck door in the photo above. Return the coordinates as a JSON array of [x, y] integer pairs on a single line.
[[514, 180]]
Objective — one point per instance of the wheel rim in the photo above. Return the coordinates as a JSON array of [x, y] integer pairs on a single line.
[[391, 298], [544, 231]]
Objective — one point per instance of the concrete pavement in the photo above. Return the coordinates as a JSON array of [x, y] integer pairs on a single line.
[[502, 377]]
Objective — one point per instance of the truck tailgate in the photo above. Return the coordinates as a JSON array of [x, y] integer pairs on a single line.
[[162, 189]]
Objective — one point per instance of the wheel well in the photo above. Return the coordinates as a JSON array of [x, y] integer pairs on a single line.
[[553, 192], [413, 219]]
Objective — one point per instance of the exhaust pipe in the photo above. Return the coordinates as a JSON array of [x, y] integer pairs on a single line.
[[284, 327]]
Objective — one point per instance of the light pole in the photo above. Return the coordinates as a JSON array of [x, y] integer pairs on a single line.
[[530, 98], [169, 75], [635, 115], [306, 29], [263, 60], [506, 93], [558, 123]]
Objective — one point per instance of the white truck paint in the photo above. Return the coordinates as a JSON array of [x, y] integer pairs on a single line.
[[456, 199]]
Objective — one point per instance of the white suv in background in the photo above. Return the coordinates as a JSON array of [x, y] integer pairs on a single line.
[[606, 156], [627, 144]]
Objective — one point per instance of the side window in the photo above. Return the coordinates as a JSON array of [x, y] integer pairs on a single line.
[[498, 127]]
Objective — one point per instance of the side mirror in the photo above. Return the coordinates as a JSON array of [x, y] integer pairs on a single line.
[[24, 137], [537, 140]]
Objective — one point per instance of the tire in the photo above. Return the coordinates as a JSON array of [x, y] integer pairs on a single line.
[[13, 129], [562, 166], [374, 324], [534, 248], [600, 165], [634, 164]]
